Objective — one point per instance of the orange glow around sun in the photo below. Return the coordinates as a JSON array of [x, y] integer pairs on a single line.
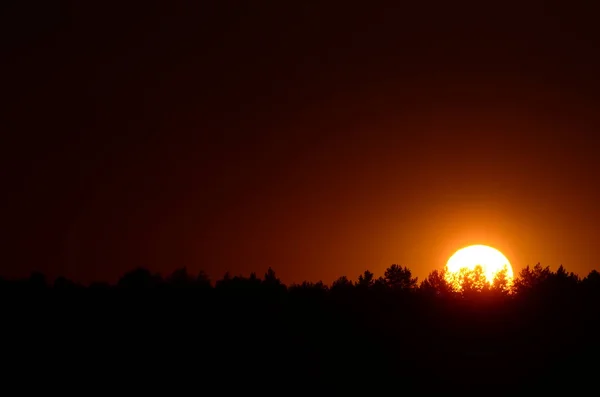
[[490, 259]]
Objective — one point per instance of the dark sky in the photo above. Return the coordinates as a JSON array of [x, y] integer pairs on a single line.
[[319, 139]]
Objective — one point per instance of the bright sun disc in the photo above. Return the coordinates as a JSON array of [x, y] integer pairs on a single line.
[[490, 259]]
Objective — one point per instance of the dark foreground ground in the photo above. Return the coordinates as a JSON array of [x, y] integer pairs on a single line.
[[182, 341]]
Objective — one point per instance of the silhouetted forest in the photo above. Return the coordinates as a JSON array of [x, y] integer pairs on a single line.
[[392, 333]]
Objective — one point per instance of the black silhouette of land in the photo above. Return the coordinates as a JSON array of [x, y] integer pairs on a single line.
[[537, 334]]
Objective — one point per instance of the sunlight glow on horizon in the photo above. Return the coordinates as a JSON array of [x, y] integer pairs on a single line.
[[490, 259]]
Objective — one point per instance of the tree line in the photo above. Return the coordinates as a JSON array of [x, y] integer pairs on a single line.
[[398, 279], [536, 331]]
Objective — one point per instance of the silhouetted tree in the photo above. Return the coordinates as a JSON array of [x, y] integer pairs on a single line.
[[307, 285], [224, 282], [563, 281], [400, 278], [271, 278], [530, 279], [202, 280], [436, 284], [37, 281], [245, 284], [272, 282], [501, 285], [341, 284], [254, 278], [309, 290], [62, 283], [592, 280], [472, 281], [139, 278], [380, 284], [180, 278], [319, 285], [365, 280], [591, 286]]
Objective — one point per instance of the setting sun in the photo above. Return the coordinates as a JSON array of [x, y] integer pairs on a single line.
[[490, 259]]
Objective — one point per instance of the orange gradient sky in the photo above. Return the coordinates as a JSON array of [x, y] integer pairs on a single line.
[[186, 137]]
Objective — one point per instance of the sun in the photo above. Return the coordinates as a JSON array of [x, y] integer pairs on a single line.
[[490, 259]]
